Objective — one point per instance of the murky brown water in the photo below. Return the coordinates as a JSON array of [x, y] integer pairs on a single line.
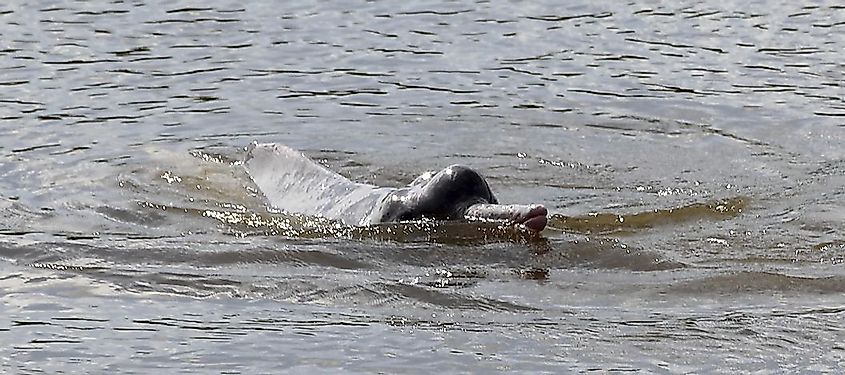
[[691, 154]]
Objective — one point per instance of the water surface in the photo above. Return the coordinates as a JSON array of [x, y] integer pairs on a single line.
[[691, 154]]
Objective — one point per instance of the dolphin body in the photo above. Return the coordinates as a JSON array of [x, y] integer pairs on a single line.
[[294, 183]]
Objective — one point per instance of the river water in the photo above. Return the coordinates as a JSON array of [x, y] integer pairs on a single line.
[[690, 154]]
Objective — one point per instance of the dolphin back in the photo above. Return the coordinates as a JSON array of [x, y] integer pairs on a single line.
[[294, 183]]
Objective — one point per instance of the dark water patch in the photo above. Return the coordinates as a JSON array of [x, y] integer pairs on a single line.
[[454, 301], [331, 93], [659, 43], [627, 128], [56, 341], [18, 323], [829, 25], [515, 70], [294, 72], [656, 87], [692, 14], [764, 67], [58, 117], [34, 148], [522, 60], [193, 20], [556, 18], [14, 83], [359, 104], [472, 103], [101, 12], [621, 58], [172, 283], [407, 86], [608, 93], [602, 253], [371, 294], [407, 50], [144, 102], [707, 70], [353, 72], [762, 282], [461, 261], [188, 72], [548, 125], [322, 258], [232, 135], [19, 101], [188, 10], [528, 106], [455, 71], [150, 58], [150, 219], [434, 12], [103, 119], [829, 114], [79, 62]]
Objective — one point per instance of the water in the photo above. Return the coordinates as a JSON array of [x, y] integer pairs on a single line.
[[690, 153]]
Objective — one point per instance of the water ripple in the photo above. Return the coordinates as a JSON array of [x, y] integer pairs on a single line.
[[705, 137]]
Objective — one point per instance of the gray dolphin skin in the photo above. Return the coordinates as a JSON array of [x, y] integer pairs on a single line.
[[294, 183]]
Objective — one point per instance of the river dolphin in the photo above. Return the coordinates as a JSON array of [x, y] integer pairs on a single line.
[[294, 183]]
